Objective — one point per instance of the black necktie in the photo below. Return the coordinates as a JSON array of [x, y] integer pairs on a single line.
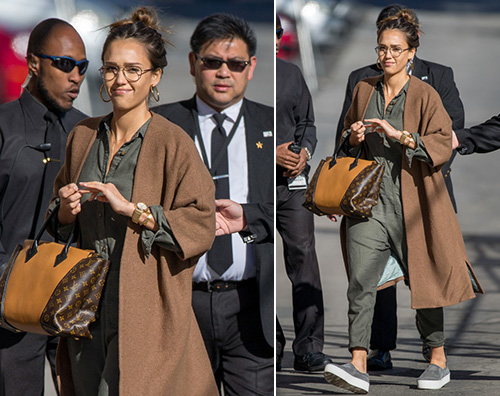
[[54, 134], [220, 256]]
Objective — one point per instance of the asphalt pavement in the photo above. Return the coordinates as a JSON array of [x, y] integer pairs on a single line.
[[469, 43]]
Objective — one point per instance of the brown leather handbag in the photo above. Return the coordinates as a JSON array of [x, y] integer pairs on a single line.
[[344, 186], [52, 289]]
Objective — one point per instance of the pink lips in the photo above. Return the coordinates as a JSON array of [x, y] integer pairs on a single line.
[[222, 88], [121, 91], [73, 93]]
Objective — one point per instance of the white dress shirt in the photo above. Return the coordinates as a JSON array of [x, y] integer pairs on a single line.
[[243, 264]]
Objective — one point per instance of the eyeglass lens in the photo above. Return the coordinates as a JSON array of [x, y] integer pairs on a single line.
[[279, 33], [131, 73], [395, 52]]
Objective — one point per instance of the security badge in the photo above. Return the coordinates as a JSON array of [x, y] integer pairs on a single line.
[[297, 183], [265, 134]]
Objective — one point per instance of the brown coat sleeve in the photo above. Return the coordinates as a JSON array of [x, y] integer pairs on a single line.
[[191, 215], [435, 125]]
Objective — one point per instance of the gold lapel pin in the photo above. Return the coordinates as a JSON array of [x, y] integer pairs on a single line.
[[259, 145]]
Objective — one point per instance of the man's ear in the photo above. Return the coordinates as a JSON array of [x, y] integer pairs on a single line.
[[251, 67], [192, 61], [33, 63]]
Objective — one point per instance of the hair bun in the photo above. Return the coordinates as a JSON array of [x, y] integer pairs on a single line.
[[409, 16], [147, 16]]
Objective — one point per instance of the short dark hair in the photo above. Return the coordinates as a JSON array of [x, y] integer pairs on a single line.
[[392, 10], [223, 26], [40, 34], [278, 20]]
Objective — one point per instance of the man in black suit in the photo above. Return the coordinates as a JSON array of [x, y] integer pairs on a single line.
[[233, 284], [295, 124], [482, 138], [33, 133], [384, 325]]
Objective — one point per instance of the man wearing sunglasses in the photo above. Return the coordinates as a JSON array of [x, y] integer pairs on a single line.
[[295, 126], [33, 134], [233, 284]]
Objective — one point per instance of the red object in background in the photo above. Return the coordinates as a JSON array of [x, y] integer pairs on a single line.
[[289, 47], [13, 69]]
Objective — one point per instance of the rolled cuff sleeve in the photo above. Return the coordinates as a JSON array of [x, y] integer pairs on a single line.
[[164, 237], [419, 153]]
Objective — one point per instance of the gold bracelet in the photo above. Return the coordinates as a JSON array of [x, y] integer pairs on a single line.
[[146, 220], [404, 135]]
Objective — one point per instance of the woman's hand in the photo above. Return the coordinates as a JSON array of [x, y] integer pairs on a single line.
[[357, 134], [383, 126], [70, 204], [332, 218], [110, 194]]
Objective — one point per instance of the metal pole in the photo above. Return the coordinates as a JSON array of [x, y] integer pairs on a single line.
[[66, 10], [306, 48]]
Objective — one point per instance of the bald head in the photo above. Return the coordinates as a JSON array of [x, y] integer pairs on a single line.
[[41, 32]]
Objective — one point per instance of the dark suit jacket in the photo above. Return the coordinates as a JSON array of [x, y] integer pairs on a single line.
[[440, 77], [259, 212], [21, 168], [294, 110], [482, 138]]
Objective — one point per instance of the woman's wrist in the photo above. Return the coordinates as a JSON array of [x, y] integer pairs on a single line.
[[406, 139]]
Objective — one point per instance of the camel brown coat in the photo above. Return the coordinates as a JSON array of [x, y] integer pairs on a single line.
[[437, 261], [161, 351]]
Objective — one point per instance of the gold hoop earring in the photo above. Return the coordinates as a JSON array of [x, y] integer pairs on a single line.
[[154, 93], [379, 65], [411, 65], [102, 98]]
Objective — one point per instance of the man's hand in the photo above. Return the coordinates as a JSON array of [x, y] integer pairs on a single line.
[[299, 168], [285, 158], [454, 141], [229, 217]]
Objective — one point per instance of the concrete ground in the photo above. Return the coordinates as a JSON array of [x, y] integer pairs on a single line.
[[469, 43]]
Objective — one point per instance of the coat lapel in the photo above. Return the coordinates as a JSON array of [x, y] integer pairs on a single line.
[[260, 143], [422, 71]]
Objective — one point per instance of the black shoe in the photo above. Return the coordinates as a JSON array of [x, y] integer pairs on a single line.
[[311, 362], [379, 360]]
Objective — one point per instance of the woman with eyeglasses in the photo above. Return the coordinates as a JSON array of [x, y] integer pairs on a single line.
[[400, 122], [135, 187]]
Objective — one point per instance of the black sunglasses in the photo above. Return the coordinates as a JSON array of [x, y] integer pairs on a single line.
[[66, 64], [279, 33], [216, 63]]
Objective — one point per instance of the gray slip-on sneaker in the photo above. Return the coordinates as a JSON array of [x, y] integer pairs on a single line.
[[347, 377], [434, 377]]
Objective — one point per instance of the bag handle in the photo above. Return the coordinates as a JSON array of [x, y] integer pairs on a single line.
[[34, 246], [339, 149]]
